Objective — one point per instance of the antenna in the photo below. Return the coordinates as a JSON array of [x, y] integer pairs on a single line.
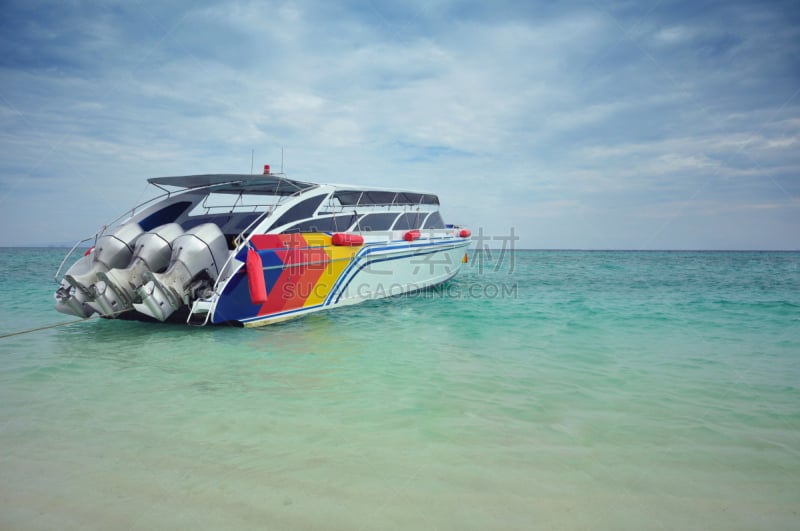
[[252, 154], [282, 160]]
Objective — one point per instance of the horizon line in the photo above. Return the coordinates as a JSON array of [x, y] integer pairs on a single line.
[[524, 249]]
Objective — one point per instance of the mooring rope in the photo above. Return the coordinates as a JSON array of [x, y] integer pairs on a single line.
[[37, 329]]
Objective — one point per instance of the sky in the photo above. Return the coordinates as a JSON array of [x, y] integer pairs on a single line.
[[576, 125]]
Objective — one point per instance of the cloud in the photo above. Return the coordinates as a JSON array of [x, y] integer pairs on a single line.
[[596, 118]]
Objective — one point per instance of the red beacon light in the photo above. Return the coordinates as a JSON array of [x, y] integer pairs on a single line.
[[266, 169]]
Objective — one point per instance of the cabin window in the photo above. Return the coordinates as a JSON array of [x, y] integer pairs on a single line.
[[303, 209], [377, 221], [347, 197], [326, 224], [381, 198], [168, 214], [434, 221], [410, 220]]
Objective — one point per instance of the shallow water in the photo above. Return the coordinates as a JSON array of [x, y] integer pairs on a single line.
[[552, 390]]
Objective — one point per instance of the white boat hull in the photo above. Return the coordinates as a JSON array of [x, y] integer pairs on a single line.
[[348, 276]]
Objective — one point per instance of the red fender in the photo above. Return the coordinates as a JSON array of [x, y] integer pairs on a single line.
[[255, 278], [347, 239], [411, 235]]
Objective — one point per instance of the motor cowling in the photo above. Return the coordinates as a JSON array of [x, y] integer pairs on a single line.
[[116, 288], [111, 250], [197, 258]]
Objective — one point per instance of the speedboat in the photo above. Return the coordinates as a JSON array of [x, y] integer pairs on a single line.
[[251, 250]]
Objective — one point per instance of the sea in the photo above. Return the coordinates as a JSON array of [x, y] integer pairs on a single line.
[[536, 390]]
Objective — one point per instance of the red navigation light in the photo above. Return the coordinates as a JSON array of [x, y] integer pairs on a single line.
[[266, 169]]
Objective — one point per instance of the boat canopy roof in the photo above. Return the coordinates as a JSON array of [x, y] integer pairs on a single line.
[[271, 184], [254, 184]]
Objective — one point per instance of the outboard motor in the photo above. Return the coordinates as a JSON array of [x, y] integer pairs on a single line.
[[70, 300], [197, 257], [115, 291], [111, 250]]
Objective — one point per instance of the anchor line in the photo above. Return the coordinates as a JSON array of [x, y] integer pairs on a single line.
[[39, 328], [56, 325]]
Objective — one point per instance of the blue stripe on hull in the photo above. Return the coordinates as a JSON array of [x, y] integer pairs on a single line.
[[234, 303]]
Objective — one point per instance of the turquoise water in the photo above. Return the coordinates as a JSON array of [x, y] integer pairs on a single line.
[[539, 390]]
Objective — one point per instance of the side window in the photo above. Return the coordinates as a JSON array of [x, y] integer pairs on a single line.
[[434, 221], [410, 220], [377, 221], [303, 209], [327, 224]]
